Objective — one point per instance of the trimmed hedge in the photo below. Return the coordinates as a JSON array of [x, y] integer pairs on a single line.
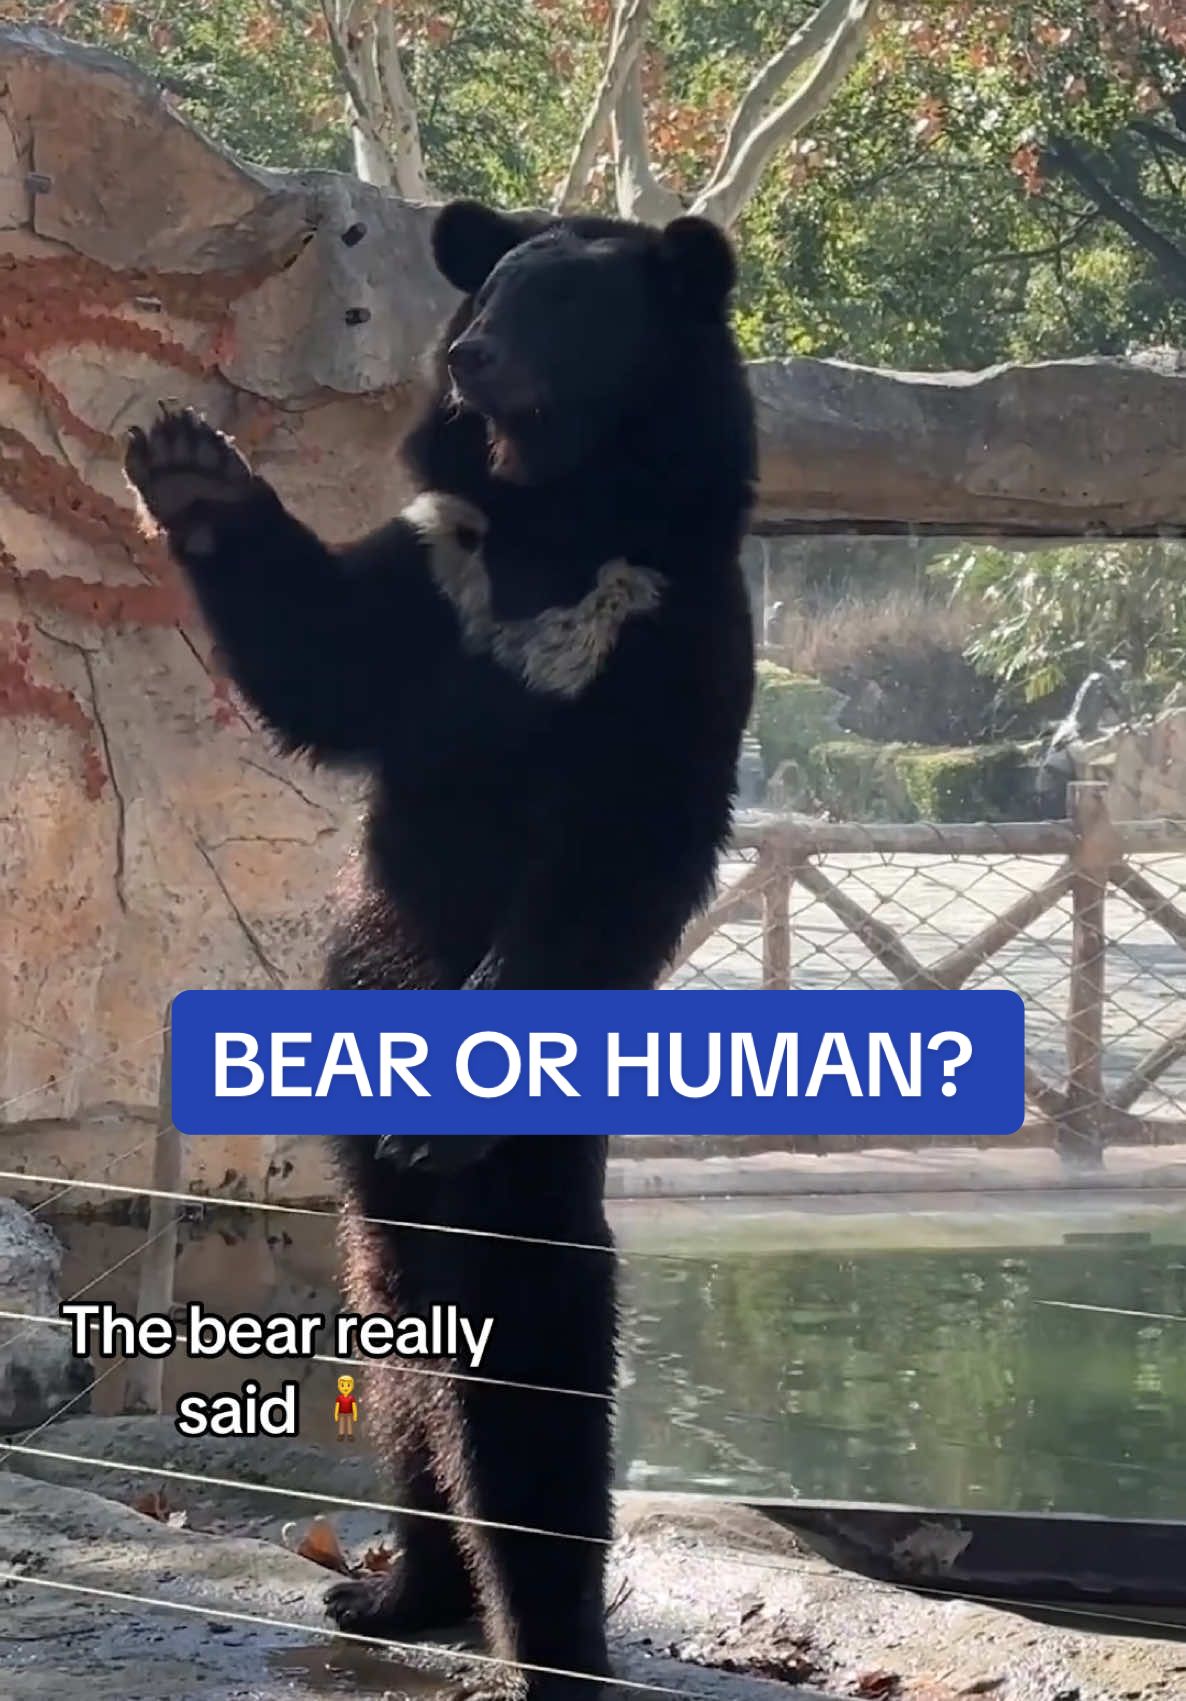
[[796, 721], [792, 715], [859, 780]]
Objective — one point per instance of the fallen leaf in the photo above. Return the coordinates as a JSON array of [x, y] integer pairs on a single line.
[[320, 1544], [378, 1559], [155, 1504], [877, 1685]]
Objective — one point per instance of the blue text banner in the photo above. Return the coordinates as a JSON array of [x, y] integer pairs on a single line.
[[659, 1063]]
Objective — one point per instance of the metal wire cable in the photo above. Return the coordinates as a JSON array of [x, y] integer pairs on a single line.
[[798, 1420], [335, 1359], [350, 1504], [213, 1202], [88, 1062], [415, 1648]]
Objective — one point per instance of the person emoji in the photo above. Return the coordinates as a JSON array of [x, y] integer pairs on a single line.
[[345, 1408]]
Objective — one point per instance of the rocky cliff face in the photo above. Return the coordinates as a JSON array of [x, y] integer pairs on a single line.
[[149, 837]]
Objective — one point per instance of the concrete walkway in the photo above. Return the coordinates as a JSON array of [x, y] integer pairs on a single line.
[[932, 1168]]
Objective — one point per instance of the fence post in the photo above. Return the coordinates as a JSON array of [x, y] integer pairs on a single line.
[[1082, 1127], [776, 919], [144, 1381]]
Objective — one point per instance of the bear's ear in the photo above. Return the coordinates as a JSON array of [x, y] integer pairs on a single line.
[[468, 241], [700, 261]]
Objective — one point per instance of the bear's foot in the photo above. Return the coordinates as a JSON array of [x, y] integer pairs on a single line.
[[183, 468], [386, 1604]]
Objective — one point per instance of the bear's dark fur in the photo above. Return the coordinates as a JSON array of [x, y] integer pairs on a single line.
[[545, 665]]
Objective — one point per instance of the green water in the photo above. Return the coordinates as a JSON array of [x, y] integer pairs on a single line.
[[934, 1377], [930, 1377]]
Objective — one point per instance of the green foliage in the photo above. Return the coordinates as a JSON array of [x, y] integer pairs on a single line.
[[924, 223], [860, 780], [499, 87], [792, 714], [987, 782], [1049, 617], [856, 779], [919, 223]]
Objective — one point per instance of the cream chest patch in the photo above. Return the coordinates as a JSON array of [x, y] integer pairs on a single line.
[[559, 651]]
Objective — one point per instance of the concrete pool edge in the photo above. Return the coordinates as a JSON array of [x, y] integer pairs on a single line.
[[882, 1170]]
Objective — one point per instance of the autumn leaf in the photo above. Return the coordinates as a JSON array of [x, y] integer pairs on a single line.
[[930, 120], [378, 1558], [877, 1685], [1027, 163], [116, 18], [320, 1544], [155, 1504]]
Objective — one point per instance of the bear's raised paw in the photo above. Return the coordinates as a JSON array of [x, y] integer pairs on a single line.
[[181, 466]]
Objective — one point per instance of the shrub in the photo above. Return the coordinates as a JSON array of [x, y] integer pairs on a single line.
[[792, 714], [899, 661], [859, 780]]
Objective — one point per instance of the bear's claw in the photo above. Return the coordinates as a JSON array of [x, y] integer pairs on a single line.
[[181, 462], [382, 1605]]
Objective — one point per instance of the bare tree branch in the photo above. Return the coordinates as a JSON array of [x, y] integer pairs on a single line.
[[383, 122], [640, 195], [808, 40], [724, 201], [401, 129], [622, 56], [334, 13], [345, 23], [1160, 136], [1171, 260]]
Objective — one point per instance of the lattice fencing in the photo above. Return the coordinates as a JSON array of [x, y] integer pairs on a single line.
[[1086, 918]]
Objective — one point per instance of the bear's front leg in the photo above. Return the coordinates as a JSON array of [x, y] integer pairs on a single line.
[[298, 631], [188, 475]]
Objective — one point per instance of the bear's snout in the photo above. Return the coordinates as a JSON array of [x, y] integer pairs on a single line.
[[472, 358]]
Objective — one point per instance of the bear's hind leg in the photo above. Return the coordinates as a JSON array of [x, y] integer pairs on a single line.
[[542, 1461]]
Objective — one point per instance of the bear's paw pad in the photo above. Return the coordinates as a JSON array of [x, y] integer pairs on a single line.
[[181, 462]]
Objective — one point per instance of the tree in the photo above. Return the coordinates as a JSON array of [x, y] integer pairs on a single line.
[[772, 111], [377, 50], [927, 182], [363, 38], [989, 182], [1038, 630]]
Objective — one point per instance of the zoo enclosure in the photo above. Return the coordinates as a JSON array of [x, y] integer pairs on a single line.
[[1085, 917]]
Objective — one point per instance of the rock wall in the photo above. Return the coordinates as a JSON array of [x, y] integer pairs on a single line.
[[38, 1372], [149, 837], [1147, 773]]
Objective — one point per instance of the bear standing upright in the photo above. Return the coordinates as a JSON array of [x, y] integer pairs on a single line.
[[545, 665]]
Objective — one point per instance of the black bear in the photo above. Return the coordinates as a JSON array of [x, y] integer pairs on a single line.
[[545, 664]]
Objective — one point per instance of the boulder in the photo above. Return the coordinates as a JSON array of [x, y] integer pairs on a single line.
[[38, 1372]]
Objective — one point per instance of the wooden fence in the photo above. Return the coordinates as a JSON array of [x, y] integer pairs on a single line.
[[1080, 1113]]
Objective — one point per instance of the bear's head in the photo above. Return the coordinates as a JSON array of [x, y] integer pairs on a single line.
[[574, 332]]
